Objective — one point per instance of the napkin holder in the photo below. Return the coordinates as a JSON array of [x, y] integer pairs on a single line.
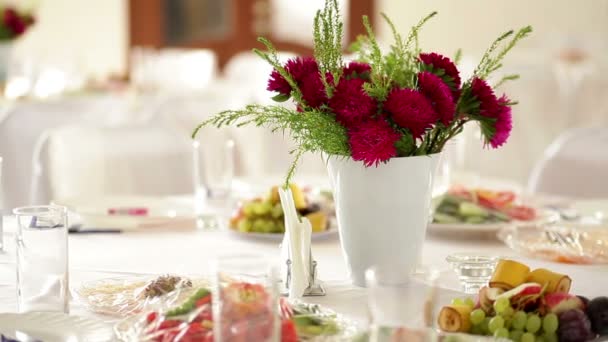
[[314, 288]]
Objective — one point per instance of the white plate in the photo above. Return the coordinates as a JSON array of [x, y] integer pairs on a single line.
[[278, 237], [545, 217], [53, 327]]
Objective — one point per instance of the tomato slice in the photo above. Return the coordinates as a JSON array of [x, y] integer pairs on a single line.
[[203, 301], [288, 331], [521, 212], [495, 199]]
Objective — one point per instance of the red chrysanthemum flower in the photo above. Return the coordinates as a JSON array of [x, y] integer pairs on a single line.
[[278, 83], [313, 90], [12, 20], [299, 68], [503, 123], [488, 103], [438, 61], [357, 70], [439, 94], [373, 141], [351, 103], [305, 72], [411, 110]]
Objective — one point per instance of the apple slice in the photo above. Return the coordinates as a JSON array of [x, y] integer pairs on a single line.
[[560, 302]]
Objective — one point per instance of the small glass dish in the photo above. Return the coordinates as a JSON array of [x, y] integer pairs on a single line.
[[474, 271]]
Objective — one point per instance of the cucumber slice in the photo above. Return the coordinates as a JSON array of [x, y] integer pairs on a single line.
[[476, 219], [444, 218], [469, 209], [500, 216]]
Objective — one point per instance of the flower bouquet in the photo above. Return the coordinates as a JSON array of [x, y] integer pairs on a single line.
[[14, 23], [381, 120]]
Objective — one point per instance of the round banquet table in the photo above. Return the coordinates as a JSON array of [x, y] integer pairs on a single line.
[[189, 251]]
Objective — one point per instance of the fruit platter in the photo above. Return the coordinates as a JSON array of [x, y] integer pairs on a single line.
[[520, 304], [483, 210], [262, 217], [245, 314]]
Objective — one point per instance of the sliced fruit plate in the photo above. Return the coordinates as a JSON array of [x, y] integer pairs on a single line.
[[262, 217], [482, 210], [244, 317], [527, 305]]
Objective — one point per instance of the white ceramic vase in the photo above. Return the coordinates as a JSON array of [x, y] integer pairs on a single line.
[[382, 211]]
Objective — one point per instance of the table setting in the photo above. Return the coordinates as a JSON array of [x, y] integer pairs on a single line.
[[368, 253]]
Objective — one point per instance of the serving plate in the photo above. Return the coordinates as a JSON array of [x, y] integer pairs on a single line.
[[545, 216]]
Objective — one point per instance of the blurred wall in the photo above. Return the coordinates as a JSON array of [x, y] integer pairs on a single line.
[[89, 35], [93, 34]]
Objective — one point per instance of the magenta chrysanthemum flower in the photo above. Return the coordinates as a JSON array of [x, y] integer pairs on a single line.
[[313, 90], [503, 124], [438, 61], [351, 103], [411, 110], [439, 94], [373, 141], [488, 104], [299, 68], [356, 70]]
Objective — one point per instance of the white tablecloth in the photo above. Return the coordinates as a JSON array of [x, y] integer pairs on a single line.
[[189, 251]]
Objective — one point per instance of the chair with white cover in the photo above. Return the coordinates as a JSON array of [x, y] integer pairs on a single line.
[[574, 165], [128, 160]]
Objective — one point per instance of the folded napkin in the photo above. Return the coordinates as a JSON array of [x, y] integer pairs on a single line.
[[296, 245]]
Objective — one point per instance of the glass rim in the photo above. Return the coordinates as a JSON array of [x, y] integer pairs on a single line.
[[40, 210], [468, 257]]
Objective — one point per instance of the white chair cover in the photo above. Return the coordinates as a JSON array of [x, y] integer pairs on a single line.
[[574, 165]]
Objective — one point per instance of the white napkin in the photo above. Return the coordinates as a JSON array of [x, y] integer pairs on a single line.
[[297, 242]]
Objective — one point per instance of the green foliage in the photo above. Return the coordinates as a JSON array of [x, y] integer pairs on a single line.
[[314, 131], [492, 59], [327, 38], [406, 146]]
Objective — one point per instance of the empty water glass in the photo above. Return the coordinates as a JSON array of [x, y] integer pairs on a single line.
[[245, 299], [401, 304], [42, 259], [213, 171]]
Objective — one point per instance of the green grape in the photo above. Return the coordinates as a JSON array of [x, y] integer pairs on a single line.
[[527, 337], [515, 335], [501, 304], [508, 312], [281, 227], [457, 301], [477, 316], [262, 208], [501, 332], [540, 338], [245, 225], [277, 211], [508, 322], [469, 302], [485, 325], [519, 320], [268, 226], [533, 324], [477, 329], [248, 209], [550, 337], [496, 323], [258, 225], [550, 323]]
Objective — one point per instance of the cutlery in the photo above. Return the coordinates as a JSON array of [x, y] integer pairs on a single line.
[[78, 229]]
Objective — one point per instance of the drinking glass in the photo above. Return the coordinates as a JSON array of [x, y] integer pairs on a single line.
[[42, 258], [401, 304], [245, 299], [213, 171]]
